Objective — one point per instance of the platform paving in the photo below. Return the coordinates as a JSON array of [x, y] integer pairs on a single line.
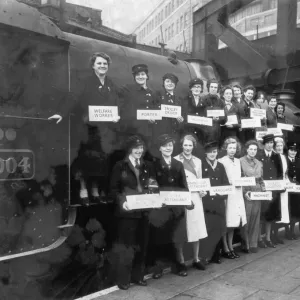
[[269, 274]]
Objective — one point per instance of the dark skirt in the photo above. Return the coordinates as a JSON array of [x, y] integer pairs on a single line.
[[294, 206], [270, 210]]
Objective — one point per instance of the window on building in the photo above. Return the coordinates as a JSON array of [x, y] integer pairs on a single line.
[[172, 30], [273, 4], [269, 20], [177, 3], [169, 32], [181, 23], [186, 20], [173, 5], [170, 8], [166, 11], [158, 39], [177, 26], [166, 35]]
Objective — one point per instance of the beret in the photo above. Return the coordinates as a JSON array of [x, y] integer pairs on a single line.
[[139, 68]]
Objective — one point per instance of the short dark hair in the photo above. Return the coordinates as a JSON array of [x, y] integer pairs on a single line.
[[281, 104], [100, 54], [272, 96], [226, 87], [249, 87], [259, 93], [237, 85], [210, 81], [250, 143]]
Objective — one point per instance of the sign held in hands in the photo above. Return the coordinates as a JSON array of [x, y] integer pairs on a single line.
[[103, 113], [170, 111]]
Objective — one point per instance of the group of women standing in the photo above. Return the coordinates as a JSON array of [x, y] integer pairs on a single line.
[[163, 155]]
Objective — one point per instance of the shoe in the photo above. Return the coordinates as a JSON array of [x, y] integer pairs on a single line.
[[254, 249], [199, 265], [270, 244], [140, 282], [215, 260], [124, 286], [261, 244], [246, 250], [157, 274], [234, 254], [181, 269], [228, 255]]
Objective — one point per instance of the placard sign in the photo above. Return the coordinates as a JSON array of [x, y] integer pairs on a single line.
[[199, 120], [176, 198], [260, 135], [170, 111], [274, 185], [144, 201], [199, 185], [103, 113], [148, 114], [222, 190], [215, 113], [261, 195], [251, 123], [288, 127], [231, 120], [292, 188], [275, 131], [257, 113], [244, 181]]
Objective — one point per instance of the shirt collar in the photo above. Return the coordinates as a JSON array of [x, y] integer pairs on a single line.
[[132, 160], [268, 153]]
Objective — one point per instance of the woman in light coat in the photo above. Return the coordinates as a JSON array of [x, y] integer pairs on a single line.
[[195, 220], [235, 207]]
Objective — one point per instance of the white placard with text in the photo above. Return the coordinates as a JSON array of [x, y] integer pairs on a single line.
[[148, 114], [144, 201], [251, 123], [283, 126], [199, 185], [199, 120], [232, 120], [222, 190], [275, 131], [170, 111], [260, 135], [244, 181], [103, 113], [261, 195], [275, 185], [215, 113], [175, 198], [257, 113]]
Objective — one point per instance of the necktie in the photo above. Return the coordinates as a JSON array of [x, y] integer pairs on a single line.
[[137, 164]]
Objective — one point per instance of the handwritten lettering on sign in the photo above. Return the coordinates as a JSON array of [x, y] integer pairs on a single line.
[[176, 198], [244, 181], [257, 113], [170, 111], [148, 114], [222, 190], [274, 185], [199, 185], [144, 201], [215, 113], [251, 123], [275, 131], [260, 135], [292, 188], [199, 120], [103, 113], [261, 195], [288, 127]]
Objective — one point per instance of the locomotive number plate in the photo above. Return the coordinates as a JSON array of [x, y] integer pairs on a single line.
[[16, 164]]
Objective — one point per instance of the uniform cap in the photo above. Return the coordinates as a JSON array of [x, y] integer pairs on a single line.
[[170, 76], [210, 146], [292, 145], [133, 142], [268, 138], [139, 68], [195, 81], [164, 139]]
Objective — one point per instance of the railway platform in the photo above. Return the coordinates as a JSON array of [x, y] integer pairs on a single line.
[[269, 274]]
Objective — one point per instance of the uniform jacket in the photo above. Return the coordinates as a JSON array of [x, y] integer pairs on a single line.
[[272, 168], [214, 204], [168, 125], [124, 182], [135, 98], [271, 118], [293, 170], [226, 132]]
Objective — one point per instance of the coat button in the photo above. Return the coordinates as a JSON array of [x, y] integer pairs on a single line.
[[147, 106], [197, 114]]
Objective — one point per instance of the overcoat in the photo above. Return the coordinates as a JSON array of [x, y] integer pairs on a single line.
[[271, 118], [272, 170], [293, 173], [233, 131], [235, 207], [168, 223]]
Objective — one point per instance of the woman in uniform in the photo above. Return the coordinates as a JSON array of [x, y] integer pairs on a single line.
[[294, 177], [195, 221], [168, 224], [169, 125], [138, 96], [131, 176], [271, 113], [213, 205], [235, 207], [229, 129]]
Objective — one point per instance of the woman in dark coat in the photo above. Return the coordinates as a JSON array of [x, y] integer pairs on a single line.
[[171, 126], [271, 113], [138, 96], [213, 205], [293, 173], [97, 139], [228, 129], [168, 224], [131, 176]]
